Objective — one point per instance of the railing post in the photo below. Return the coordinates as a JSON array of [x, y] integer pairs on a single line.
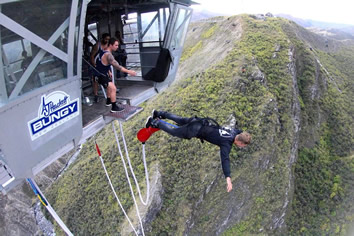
[[44, 201]]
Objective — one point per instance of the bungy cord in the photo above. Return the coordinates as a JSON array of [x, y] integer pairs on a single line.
[[114, 192], [131, 168], [127, 175]]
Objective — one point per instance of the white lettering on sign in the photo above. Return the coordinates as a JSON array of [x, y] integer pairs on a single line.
[[54, 110]]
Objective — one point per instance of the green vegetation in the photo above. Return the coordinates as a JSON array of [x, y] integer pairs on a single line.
[[323, 193], [324, 175], [210, 31], [188, 52], [265, 45], [262, 97]]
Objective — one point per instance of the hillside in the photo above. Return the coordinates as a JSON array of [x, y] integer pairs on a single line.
[[331, 30], [287, 88]]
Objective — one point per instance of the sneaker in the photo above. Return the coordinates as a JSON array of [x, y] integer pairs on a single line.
[[117, 108], [108, 102], [96, 99], [155, 114], [149, 122]]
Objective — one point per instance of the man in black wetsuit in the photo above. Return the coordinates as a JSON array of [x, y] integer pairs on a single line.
[[205, 129]]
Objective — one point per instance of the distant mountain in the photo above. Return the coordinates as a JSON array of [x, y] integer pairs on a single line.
[[313, 23], [199, 14], [328, 29], [335, 30]]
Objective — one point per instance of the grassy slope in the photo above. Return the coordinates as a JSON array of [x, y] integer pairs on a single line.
[[191, 170], [323, 198], [258, 180], [265, 45]]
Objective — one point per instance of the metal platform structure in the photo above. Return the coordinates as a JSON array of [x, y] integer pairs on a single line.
[[45, 86]]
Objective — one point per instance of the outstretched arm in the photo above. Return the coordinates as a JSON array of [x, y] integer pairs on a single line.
[[229, 184], [116, 65], [225, 163]]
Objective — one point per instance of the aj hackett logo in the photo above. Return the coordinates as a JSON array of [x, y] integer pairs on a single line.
[[54, 110]]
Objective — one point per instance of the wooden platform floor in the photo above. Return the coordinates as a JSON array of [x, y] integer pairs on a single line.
[[129, 95]]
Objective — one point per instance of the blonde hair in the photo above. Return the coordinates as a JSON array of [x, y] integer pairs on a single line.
[[244, 137]]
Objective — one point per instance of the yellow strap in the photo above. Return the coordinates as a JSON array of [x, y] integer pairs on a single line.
[[40, 199]]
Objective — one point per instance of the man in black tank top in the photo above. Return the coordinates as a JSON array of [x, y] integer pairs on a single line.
[[106, 60], [96, 49], [206, 129]]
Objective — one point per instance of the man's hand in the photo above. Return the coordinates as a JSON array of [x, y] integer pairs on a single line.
[[229, 184], [131, 73]]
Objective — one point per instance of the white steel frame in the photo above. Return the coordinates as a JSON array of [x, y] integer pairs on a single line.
[[45, 46]]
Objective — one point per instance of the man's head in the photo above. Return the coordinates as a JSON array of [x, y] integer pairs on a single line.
[[104, 41], [242, 139], [105, 36], [113, 44]]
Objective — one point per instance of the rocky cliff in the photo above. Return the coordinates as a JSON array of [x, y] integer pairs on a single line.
[[290, 88]]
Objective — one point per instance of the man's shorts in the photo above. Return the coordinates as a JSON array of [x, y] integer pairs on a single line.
[[103, 80]]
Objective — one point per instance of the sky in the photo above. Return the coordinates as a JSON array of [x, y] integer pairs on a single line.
[[333, 11]]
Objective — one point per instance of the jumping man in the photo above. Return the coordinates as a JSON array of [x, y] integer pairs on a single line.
[[205, 129]]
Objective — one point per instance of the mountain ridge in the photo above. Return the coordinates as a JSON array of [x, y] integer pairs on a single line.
[[287, 87], [330, 29], [272, 99]]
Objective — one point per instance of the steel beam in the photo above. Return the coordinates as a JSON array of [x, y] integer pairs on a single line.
[[36, 60]]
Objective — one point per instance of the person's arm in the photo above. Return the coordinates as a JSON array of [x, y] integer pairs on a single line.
[[93, 53], [225, 163], [229, 184], [116, 65]]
